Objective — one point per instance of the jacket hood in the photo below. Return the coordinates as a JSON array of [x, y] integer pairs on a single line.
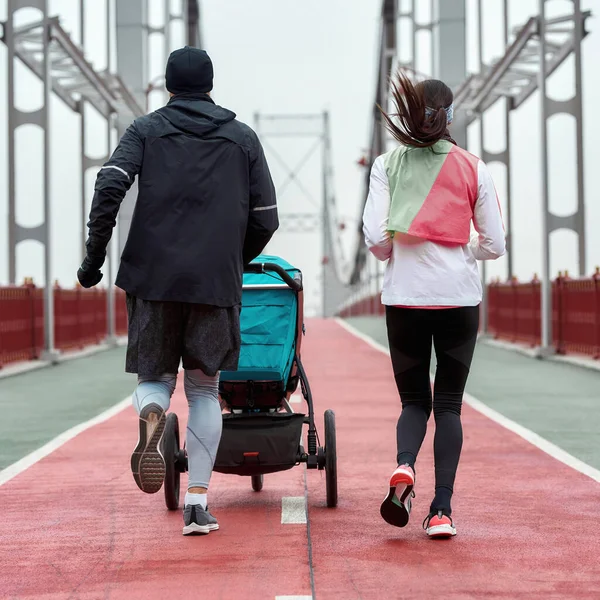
[[195, 113]]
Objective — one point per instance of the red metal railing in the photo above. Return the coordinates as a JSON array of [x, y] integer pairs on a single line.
[[514, 313], [21, 337], [80, 319], [580, 316]]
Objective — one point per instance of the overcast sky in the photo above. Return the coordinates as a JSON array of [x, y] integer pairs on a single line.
[[283, 56]]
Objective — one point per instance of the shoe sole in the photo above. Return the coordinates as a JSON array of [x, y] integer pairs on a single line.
[[147, 462], [194, 528], [441, 532], [395, 509]]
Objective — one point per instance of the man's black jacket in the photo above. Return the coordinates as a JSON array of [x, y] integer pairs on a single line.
[[206, 203]]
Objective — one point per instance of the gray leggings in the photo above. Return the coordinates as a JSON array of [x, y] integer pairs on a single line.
[[204, 421]]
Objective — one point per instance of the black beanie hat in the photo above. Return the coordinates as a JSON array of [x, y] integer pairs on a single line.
[[189, 70]]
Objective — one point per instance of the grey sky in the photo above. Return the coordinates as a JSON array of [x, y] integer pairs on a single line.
[[282, 56]]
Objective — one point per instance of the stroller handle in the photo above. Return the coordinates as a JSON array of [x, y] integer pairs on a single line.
[[262, 267]]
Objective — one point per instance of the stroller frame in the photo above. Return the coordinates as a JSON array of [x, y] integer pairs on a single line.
[[314, 456]]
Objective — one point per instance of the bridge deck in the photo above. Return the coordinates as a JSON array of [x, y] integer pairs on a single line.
[[74, 525]]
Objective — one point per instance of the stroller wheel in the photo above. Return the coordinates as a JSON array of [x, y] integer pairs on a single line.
[[170, 452], [330, 459], [257, 482]]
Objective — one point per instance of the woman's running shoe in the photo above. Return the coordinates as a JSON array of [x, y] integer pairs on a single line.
[[395, 509], [439, 525]]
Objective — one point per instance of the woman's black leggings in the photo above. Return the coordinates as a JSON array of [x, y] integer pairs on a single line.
[[411, 332]]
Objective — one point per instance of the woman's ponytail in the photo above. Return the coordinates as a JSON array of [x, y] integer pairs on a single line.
[[423, 111]]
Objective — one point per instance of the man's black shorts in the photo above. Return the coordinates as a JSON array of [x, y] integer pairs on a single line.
[[164, 334]]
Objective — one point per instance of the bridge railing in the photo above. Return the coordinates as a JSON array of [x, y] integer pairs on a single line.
[[514, 315], [80, 320], [514, 312]]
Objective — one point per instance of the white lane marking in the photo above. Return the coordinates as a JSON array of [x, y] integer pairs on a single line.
[[359, 334], [532, 437], [27, 461], [293, 510], [296, 398]]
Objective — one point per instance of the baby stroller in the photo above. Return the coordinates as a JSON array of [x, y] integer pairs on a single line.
[[261, 432]]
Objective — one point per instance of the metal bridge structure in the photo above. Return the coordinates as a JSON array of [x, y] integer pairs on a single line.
[[534, 51], [122, 90], [117, 93], [73, 523]]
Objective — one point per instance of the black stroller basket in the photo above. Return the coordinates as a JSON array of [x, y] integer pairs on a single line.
[[258, 444]]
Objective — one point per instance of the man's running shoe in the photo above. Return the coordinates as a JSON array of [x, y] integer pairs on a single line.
[[198, 520], [395, 509], [147, 463], [439, 526]]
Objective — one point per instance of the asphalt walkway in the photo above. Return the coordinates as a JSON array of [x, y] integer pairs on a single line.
[[75, 526], [522, 515]]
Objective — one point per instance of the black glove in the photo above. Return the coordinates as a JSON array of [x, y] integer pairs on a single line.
[[89, 273]]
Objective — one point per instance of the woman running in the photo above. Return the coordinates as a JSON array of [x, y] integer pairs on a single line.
[[423, 197]]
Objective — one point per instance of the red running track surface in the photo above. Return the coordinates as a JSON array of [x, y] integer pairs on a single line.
[[75, 525]]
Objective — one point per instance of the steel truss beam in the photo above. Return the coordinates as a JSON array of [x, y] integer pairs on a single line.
[[193, 33], [189, 14], [71, 76], [516, 74], [40, 117]]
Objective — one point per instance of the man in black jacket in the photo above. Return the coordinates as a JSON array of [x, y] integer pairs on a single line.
[[206, 207]]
